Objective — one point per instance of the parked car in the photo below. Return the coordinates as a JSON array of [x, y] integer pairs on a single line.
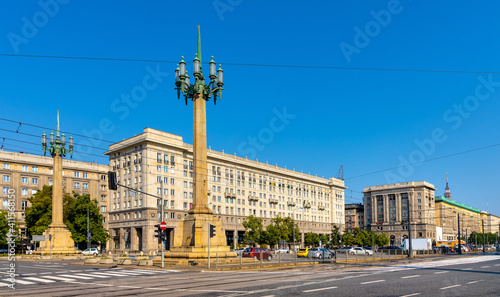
[[303, 252], [282, 250], [256, 252], [3, 251], [320, 253], [91, 251], [360, 251], [240, 250], [345, 249]]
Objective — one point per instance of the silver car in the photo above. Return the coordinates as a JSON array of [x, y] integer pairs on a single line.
[[319, 253], [360, 251]]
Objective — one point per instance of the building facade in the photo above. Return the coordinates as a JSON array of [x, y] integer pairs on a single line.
[[448, 213], [354, 216], [491, 223], [24, 174], [161, 164], [389, 208]]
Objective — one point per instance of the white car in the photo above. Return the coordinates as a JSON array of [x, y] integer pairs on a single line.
[[360, 251], [282, 250], [239, 251], [91, 251]]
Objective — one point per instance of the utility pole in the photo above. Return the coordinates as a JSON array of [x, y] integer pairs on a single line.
[[459, 239], [410, 249], [88, 227], [482, 225], [162, 237]]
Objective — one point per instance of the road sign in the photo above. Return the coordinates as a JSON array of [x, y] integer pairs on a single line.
[[163, 225], [89, 235], [38, 237]]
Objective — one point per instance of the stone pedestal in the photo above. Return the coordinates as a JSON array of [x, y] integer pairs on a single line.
[[191, 240], [61, 242]]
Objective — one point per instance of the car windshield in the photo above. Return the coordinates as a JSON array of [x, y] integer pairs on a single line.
[[302, 250]]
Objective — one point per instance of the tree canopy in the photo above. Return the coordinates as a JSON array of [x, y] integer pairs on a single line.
[[38, 216]]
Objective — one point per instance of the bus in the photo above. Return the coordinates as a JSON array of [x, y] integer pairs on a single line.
[[449, 243]]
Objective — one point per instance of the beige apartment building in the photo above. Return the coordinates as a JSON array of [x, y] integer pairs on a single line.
[[491, 223], [447, 214], [161, 164], [24, 174], [386, 210], [354, 216]]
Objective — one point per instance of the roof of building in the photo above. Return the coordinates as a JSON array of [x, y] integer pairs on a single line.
[[455, 203], [354, 206]]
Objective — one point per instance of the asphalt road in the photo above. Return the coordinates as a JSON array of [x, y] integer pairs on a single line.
[[454, 276]]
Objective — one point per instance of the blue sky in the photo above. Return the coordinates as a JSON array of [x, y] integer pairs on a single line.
[[367, 120]]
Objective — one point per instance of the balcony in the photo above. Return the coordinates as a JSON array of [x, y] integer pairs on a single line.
[[229, 195], [291, 203], [253, 198], [307, 205], [321, 207], [273, 201]]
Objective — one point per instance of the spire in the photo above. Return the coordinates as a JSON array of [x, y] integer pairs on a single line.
[[57, 131], [447, 193], [199, 45]]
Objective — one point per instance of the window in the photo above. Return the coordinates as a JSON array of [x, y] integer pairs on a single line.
[[24, 192], [6, 166], [24, 204], [172, 192], [6, 178], [158, 179], [34, 169], [172, 181], [77, 174], [103, 209], [85, 175], [172, 215], [24, 180], [25, 168], [158, 168], [51, 182], [33, 192], [5, 190], [5, 204], [103, 198], [77, 185], [34, 181], [85, 185]]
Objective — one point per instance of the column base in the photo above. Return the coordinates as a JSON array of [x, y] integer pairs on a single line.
[[191, 240], [61, 241]]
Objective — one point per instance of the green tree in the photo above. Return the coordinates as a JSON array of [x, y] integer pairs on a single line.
[[365, 238], [253, 229], [38, 216], [357, 240], [382, 239], [9, 231], [311, 239], [77, 211], [336, 236], [347, 238], [324, 239]]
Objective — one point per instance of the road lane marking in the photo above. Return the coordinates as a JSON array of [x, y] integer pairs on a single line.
[[24, 282], [485, 266], [104, 285], [439, 272], [3, 285], [496, 265], [26, 274], [92, 275], [129, 287], [37, 279], [60, 278], [414, 294], [473, 282], [320, 289], [467, 269], [410, 276], [449, 287], [75, 276], [372, 282]]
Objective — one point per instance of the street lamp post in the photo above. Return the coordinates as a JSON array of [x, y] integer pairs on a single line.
[[61, 237]]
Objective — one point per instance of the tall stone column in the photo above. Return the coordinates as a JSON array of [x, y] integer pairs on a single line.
[[57, 193], [398, 208], [386, 208], [134, 245]]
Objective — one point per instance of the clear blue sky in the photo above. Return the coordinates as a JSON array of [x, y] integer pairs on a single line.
[[368, 121]]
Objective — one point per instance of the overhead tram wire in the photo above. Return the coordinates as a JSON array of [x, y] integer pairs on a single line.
[[258, 65]]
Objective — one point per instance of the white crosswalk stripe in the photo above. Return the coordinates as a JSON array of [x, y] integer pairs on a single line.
[[22, 282], [38, 279], [65, 279], [88, 274], [75, 276]]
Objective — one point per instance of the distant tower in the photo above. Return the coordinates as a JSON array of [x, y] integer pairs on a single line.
[[447, 193]]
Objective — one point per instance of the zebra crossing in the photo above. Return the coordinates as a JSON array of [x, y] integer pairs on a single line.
[[80, 275]]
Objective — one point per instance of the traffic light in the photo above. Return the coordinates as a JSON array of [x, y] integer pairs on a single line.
[[212, 230], [112, 185], [158, 233]]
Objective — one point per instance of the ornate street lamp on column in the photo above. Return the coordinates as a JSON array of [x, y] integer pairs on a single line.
[[61, 241], [193, 237]]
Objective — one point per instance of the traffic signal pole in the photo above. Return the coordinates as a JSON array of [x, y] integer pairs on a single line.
[[162, 239], [209, 237]]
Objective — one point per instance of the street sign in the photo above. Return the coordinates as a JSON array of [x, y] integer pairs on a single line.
[[89, 235], [163, 225], [38, 237]]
